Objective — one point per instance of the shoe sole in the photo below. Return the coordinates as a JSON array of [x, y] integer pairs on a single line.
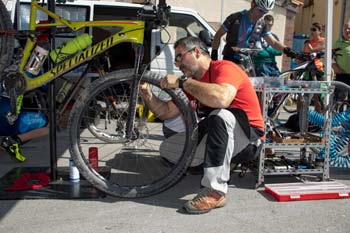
[[194, 211]]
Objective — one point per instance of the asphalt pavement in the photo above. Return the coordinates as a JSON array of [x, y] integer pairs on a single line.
[[248, 209]]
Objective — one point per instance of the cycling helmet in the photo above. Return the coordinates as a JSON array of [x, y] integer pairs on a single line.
[[265, 4]]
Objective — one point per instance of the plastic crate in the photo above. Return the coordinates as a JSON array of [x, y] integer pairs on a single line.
[[308, 191]]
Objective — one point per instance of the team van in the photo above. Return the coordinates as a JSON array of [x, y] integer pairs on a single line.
[[183, 22]]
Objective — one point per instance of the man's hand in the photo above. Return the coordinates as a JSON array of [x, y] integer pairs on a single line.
[[169, 82], [290, 52], [144, 90]]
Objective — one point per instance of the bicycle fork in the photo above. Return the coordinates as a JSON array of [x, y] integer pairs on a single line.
[[134, 92]]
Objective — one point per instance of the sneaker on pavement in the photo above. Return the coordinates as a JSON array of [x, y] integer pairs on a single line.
[[11, 145], [206, 200]]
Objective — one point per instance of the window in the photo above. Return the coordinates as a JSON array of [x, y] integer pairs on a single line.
[[181, 25], [73, 13]]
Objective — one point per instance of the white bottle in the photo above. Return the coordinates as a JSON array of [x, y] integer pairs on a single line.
[[73, 172]]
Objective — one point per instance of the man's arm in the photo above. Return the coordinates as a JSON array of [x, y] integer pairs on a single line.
[[274, 43], [211, 94], [337, 68], [216, 43], [280, 47], [162, 110]]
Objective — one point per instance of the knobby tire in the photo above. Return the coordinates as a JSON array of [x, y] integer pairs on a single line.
[[137, 169]]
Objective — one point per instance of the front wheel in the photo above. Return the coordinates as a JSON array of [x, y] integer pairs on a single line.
[[135, 167]]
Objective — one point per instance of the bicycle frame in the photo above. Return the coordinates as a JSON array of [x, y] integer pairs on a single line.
[[130, 31]]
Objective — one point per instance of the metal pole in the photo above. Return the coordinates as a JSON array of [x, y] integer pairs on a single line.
[[222, 12], [329, 30], [52, 99]]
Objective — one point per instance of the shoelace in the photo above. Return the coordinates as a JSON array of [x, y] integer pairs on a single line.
[[202, 195]]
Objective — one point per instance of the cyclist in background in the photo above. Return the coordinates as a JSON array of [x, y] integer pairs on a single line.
[[28, 126], [245, 26], [265, 61], [316, 43]]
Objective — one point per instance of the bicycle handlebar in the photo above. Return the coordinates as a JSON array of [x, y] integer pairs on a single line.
[[309, 56], [158, 15], [246, 50]]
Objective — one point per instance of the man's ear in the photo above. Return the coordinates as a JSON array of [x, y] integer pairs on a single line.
[[198, 52]]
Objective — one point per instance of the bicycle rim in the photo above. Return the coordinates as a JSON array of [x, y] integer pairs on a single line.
[[6, 40], [290, 105], [129, 168]]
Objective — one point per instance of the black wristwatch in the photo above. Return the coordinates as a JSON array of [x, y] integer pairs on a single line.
[[182, 80]]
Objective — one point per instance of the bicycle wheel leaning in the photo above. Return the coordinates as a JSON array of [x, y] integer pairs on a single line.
[[137, 168], [7, 40]]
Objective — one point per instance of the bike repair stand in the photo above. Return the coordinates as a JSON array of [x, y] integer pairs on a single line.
[[59, 186]]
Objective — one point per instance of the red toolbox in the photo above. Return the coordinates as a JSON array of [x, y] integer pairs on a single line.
[[308, 191]]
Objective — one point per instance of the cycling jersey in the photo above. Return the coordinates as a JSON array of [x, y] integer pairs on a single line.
[[241, 31]]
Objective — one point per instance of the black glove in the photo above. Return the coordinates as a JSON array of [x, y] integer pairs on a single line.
[[214, 55], [290, 52]]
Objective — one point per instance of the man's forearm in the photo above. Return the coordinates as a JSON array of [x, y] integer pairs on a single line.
[[162, 110]]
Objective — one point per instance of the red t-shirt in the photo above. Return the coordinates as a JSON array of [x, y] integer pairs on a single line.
[[223, 71]]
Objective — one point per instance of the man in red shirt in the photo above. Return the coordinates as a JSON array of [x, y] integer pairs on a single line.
[[232, 116]]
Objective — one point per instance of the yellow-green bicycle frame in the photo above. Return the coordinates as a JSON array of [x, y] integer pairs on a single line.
[[130, 31]]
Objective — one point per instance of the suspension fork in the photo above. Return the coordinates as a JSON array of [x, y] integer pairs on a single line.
[[134, 92]]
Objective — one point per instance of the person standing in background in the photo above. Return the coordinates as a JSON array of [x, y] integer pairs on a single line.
[[265, 61], [316, 43], [243, 27], [341, 65]]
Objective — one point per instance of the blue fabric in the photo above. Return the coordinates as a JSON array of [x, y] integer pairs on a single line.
[[267, 70], [26, 121], [245, 28]]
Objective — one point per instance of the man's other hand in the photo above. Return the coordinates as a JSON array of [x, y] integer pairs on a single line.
[[169, 82]]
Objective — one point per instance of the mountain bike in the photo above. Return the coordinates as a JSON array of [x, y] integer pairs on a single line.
[[133, 156]]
